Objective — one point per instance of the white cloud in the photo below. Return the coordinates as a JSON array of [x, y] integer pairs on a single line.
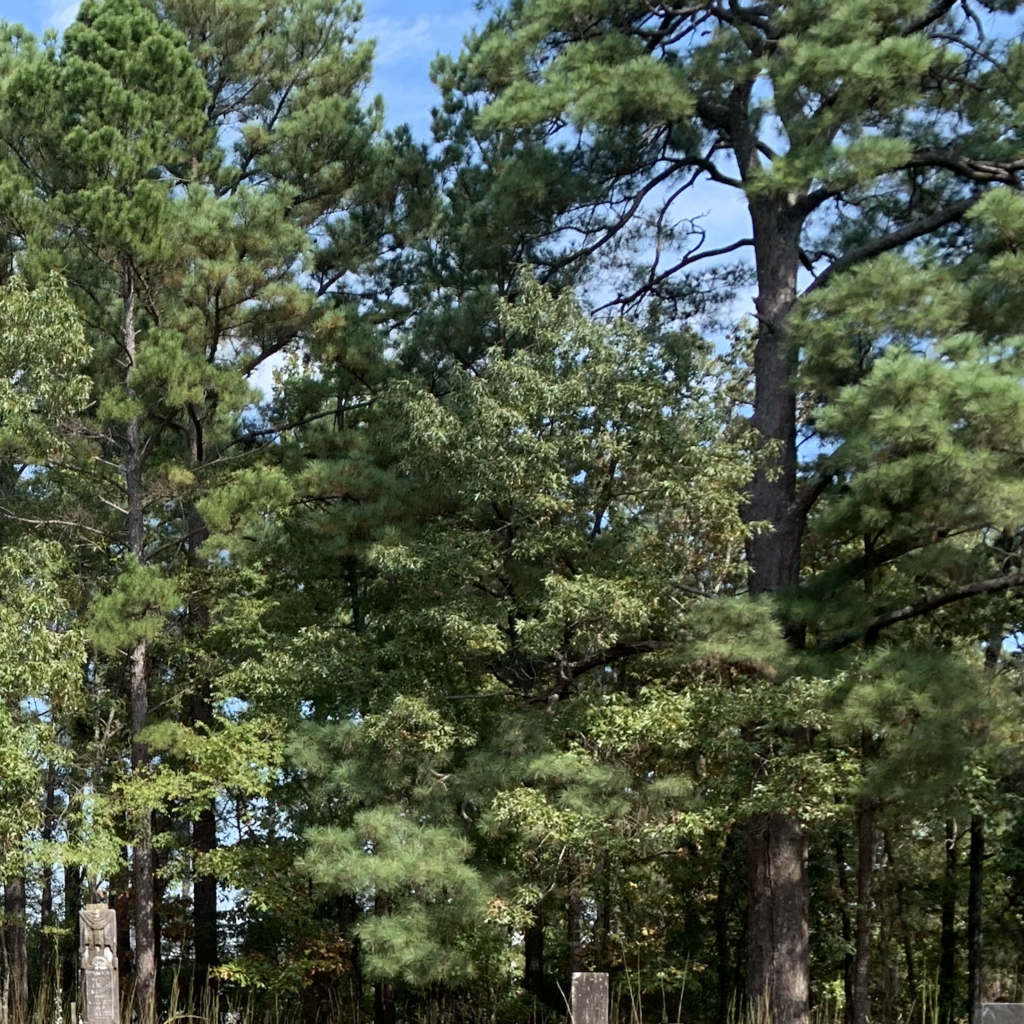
[[61, 15], [398, 41]]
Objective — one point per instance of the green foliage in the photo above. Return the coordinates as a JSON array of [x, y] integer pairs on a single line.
[[134, 610]]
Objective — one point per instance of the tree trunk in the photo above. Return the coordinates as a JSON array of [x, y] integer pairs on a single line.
[[204, 902], [975, 977], [862, 956], [47, 939], [204, 834], [16, 940], [138, 689], [723, 947], [778, 969], [200, 713], [573, 915], [847, 931], [901, 908], [777, 964], [384, 1009], [947, 956], [533, 959], [72, 906]]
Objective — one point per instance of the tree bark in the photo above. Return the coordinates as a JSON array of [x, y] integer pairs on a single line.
[[533, 967], [865, 868], [47, 941], [138, 689], [204, 836], [384, 1009], [975, 977], [901, 908], [573, 915], [847, 931], [947, 955], [72, 906], [778, 969], [16, 939], [722, 945], [200, 713], [778, 986]]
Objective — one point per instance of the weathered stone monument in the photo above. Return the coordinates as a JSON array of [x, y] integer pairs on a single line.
[[589, 998], [98, 982], [999, 1013]]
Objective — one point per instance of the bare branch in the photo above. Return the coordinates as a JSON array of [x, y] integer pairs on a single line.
[[686, 261], [985, 172], [8, 514]]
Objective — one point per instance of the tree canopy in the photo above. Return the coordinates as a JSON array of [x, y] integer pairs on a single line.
[[433, 567]]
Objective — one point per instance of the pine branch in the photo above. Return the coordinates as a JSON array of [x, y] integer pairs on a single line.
[[934, 13], [930, 604], [894, 240], [686, 261], [810, 493]]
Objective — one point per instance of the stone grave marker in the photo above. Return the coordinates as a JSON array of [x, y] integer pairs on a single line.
[[999, 1013], [99, 986], [590, 998]]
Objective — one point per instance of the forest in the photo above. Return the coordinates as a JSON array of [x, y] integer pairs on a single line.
[[586, 539]]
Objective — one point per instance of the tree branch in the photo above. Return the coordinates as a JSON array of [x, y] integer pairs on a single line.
[[616, 652], [985, 172], [935, 13], [930, 604], [894, 240]]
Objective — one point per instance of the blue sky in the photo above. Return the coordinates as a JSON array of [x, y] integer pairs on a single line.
[[409, 33]]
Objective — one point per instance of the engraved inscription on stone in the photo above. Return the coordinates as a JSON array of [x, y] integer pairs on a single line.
[[589, 998], [99, 980], [99, 991]]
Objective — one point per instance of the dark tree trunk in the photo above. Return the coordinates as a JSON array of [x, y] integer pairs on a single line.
[[534, 969], [847, 931], [865, 869], [47, 943], [200, 714], [604, 914], [778, 968], [119, 899], [16, 940], [384, 1009], [777, 964], [901, 908], [573, 916], [204, 840], [723, 947], [72, 906], [975, 978], [947, 955]]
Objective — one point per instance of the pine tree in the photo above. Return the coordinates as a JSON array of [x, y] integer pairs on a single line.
[[519, 534], [805, 111]]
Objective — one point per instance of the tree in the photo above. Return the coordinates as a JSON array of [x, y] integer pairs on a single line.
[[222, 258], [848, 132], [521, 537]]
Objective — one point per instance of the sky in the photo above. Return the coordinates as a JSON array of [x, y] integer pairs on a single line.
[[409, 33]]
